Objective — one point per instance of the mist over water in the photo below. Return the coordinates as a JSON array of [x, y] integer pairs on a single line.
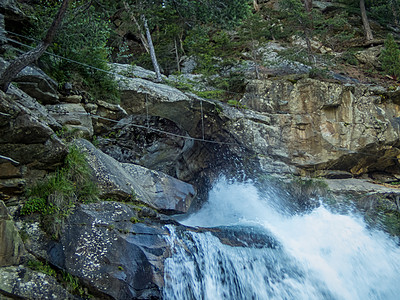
[[315, 255]]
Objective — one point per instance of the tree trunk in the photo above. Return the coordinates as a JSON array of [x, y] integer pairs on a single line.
[[178, 61], [29, 57], [255, 5], [141, 35], [367, 28], [152, 51], [308, 5]]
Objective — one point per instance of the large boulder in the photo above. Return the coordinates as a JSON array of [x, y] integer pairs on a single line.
[[106, 115], [128, 181], [108, 249]]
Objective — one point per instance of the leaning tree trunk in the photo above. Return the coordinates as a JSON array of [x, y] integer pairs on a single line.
[[367, 28], [152, 51], [27, 58]]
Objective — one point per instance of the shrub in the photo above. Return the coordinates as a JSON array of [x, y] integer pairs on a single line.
[[83, 38], [390, 57], [54, 197]]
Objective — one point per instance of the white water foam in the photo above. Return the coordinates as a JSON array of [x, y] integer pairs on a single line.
[[323, 255]]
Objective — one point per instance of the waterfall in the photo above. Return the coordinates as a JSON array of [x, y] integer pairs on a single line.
[[246, 247]]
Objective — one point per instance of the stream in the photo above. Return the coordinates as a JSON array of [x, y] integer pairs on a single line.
[[246, 245]]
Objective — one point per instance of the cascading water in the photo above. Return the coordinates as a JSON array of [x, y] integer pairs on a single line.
[[253, 250]]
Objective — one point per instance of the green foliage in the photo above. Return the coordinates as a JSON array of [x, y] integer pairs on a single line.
[[134, 220], [45, 268], [222, 13], [390, 57], [236, 104], [198, 44], [54, 197], [73, 285], [349, 57], [384, 11], [83, 38]]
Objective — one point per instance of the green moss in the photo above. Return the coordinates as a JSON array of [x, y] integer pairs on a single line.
[[45, 268], [134, 220]]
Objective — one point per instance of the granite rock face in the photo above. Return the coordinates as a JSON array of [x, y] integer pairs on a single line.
[[312, 124], [27, 138], [128, 181], [106, 247]]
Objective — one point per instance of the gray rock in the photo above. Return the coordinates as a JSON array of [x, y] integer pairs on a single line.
[[37, 84], [108, 114], [72, 99], [105, 247], [124, 180], [140, 96], [370, 57], [26, 138], [23, 283], [188, 65], [12, 248], [155, 150], [132, 71], [3, 37], [73, 117], [35, 108]]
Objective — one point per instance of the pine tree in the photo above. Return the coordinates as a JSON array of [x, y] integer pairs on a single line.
[[390, 57]]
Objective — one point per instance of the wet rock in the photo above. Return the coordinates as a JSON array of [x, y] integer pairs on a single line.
[[105, 246], [244, 237], [128, 181]]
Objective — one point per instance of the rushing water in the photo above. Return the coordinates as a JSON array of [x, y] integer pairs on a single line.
[[267, 254]]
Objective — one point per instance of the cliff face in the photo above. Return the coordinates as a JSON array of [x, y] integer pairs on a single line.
[[318, 126]]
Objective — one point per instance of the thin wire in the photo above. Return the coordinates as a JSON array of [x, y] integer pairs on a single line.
[[67, 59], [147, 113], [74, 61], [64, 112], [202, 118]]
